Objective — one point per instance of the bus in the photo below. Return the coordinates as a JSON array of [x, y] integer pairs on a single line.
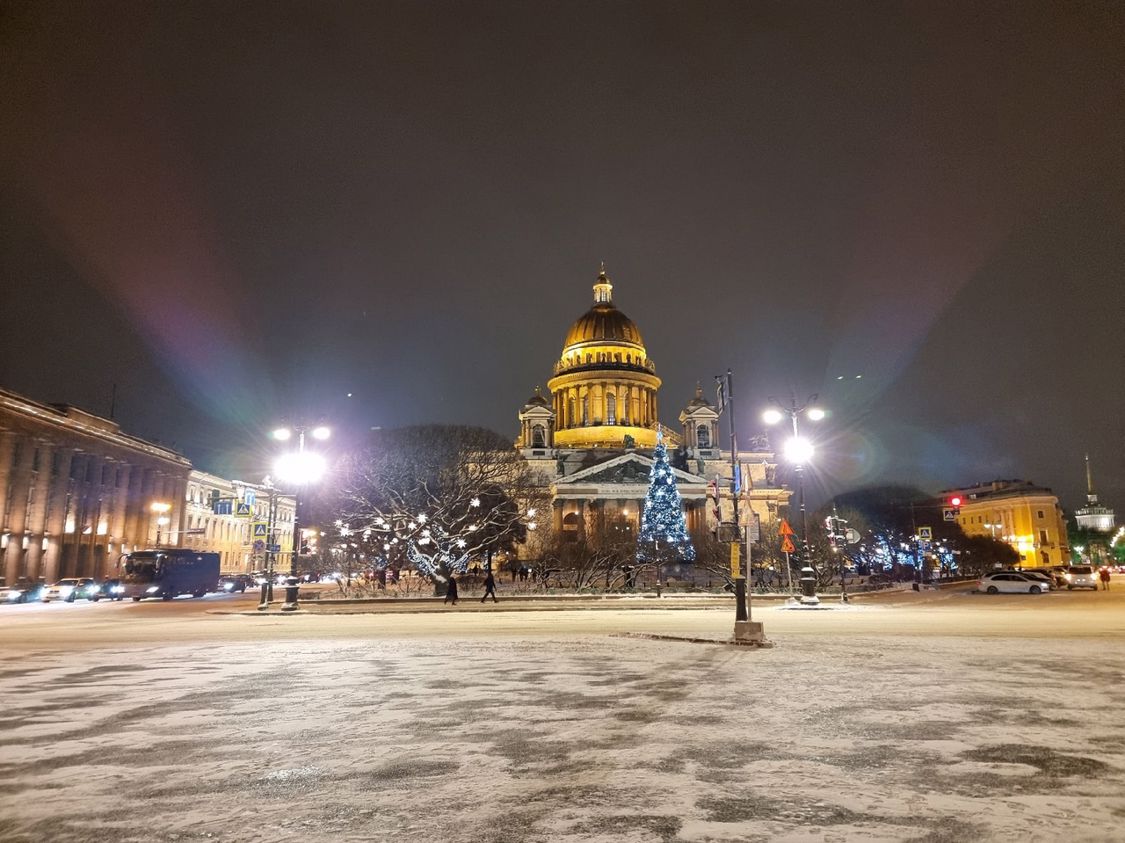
[[168, 572]]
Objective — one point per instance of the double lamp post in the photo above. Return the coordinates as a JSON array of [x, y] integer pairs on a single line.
[[297, 469]]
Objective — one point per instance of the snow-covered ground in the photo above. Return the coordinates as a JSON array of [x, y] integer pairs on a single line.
[[953, 719]]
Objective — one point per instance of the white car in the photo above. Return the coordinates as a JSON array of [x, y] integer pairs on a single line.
[[70, 589], [1008, 582], [1081, 576]]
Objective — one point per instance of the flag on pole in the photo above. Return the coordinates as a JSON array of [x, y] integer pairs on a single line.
[[721, 394]]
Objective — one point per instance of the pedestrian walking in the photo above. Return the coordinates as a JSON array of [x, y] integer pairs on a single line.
[[489, 587], [1103, 575], [451, 590]]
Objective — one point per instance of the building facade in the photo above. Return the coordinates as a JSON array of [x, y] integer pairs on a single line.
[[1023, 515], [76, 492], [238, 520], [591, 438]]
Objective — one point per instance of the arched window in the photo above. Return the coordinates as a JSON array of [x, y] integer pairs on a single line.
[[611, 409], [585, 411], [703, 435], [570, 412], [570, 527], [538, 437]]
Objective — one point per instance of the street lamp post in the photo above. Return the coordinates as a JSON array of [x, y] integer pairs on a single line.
[[799, 451], [298, 468], [161, 509], [746, 630]]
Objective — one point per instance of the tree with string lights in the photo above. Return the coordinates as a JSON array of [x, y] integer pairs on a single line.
[[663, 536]]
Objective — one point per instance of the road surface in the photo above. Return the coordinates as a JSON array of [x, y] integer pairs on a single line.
[[935, 716]]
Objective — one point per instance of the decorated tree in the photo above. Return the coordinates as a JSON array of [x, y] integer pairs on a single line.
[[663, 535], [435, 497]]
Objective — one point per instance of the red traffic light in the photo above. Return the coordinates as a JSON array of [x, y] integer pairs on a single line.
[[955, 500]]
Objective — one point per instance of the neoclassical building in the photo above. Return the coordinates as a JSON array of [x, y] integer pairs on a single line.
[[76, 492], [591, 437]]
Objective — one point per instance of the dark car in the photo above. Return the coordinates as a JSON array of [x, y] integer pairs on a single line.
[[109, 590], [23, 591], [229, 583]]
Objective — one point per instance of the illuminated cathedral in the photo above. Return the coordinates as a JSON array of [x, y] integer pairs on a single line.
[[591, 437]]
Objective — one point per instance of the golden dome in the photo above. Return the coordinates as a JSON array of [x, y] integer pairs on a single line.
[[603, 323]]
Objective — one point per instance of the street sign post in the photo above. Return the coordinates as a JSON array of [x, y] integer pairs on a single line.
[[926, 534], [949, 513], [735, 561]]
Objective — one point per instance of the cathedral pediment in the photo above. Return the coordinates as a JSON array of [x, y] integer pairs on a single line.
[[625, 470]]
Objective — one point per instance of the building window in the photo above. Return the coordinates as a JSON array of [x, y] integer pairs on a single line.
[[120, 478], [570, 527], [703, 436], [1042, 537], [538, 437], [75, 467], [56, 463], [585, 411], [35, 460], [106, 469], [610, 409], [90, 470], [1039, 515]]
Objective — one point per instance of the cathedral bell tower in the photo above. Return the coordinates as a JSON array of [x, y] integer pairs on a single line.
[[537, 423]]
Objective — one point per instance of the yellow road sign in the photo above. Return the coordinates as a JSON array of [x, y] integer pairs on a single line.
[[735, 561]]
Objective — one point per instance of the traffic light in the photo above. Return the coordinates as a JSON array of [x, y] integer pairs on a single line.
[[955, 501]]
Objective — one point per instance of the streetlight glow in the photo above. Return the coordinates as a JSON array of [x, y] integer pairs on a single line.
[[300, 467], [772, 416], [321, 432], [798, 450], [282, 434], [815, 413]]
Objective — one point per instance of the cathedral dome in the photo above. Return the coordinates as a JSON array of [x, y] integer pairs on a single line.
[[603, 323]]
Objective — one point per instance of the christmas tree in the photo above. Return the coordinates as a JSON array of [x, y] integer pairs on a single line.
[[663, 536]]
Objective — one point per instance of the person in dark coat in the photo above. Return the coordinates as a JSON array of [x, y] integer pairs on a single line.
[[451, 590], [489, 587]]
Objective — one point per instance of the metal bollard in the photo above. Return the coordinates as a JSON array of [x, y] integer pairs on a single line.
[[291, 589]]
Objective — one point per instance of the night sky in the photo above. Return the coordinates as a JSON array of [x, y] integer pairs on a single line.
[[241, 213]]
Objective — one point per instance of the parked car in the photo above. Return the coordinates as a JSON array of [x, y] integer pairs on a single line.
[[23, 591], [109, 590], [234, 582], [1043, 576], [1011, 582], [1082, 576], [1058, 574], [71, 589]]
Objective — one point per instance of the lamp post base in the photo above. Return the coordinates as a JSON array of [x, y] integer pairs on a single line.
[[749, 632]]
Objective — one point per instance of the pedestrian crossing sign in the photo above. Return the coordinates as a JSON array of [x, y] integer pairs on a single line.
[[260, 530], [243, 510]]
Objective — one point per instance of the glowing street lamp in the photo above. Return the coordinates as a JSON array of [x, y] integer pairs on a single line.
[[798, 451], [161, 510], [298, 469]]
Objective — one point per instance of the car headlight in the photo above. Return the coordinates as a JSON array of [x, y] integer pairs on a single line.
[[152, 589], [228, 586], [118, 589]]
